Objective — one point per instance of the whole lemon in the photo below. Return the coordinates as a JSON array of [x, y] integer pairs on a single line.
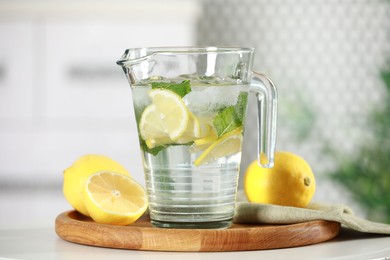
[[290, 182], [76, 175]]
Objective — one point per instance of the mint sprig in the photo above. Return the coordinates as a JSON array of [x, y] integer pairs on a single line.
[[181, 89], [231, 117]]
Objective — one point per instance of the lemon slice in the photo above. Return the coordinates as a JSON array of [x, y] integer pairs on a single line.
[[167, 116], [195, 129], [204, 142], [151, 143], [191, 132], [206, 127], [113, 198], [228, 144], [212, 137], [150, 125]]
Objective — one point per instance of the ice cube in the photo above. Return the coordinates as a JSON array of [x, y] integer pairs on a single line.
[[207, 100]]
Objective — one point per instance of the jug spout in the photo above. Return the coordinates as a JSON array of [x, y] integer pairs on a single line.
[[130, 59], [133, 56]]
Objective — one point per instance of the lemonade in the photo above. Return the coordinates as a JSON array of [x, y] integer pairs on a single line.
[[190, 137], [190, 106]]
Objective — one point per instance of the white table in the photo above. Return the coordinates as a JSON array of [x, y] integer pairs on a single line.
[[27, 232]]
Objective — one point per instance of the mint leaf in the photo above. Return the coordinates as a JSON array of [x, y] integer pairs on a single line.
[[226, 120], [154, 151], [181, 89], [240, 107], [231, 117]]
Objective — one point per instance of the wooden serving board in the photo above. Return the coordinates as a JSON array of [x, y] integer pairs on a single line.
[[74, 227]]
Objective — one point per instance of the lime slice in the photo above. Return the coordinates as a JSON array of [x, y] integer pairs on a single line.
[[167, 116], [228, 144]]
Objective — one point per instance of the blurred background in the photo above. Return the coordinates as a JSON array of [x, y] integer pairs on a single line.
[[62, 94]]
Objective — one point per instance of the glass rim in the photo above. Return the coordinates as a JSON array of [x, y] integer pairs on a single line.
[[142, 53]]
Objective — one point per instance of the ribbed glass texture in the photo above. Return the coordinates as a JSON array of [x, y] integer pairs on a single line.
[[181, 195]]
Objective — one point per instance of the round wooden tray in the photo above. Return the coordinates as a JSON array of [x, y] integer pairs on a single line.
[[74, 227]]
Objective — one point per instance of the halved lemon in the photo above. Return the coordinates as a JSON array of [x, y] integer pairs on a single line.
[[228, 144], [77, 174], [113, 198], [167, 116]]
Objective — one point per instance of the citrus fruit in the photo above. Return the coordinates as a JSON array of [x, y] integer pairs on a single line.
[[228, 144], [203, 143], [76, 175], [290, 182], [113, 198], [192, 131], [167, 116], [167, 120], [208, 136]]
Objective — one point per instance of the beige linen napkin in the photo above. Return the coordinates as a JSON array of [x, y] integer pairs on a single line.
[[255, 213]]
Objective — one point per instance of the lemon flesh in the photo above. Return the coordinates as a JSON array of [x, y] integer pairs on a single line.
[[168, 121], [290, 182], [77, 174], [113, 198], [196, 129], [228, 144], [207, 140], [167, 116]]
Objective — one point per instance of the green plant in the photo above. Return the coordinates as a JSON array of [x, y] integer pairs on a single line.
[[367, 174]]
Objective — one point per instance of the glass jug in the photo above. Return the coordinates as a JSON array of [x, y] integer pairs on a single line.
[[190, 105]]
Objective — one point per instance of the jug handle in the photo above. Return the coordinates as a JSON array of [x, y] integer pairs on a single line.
[[266, 94]]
